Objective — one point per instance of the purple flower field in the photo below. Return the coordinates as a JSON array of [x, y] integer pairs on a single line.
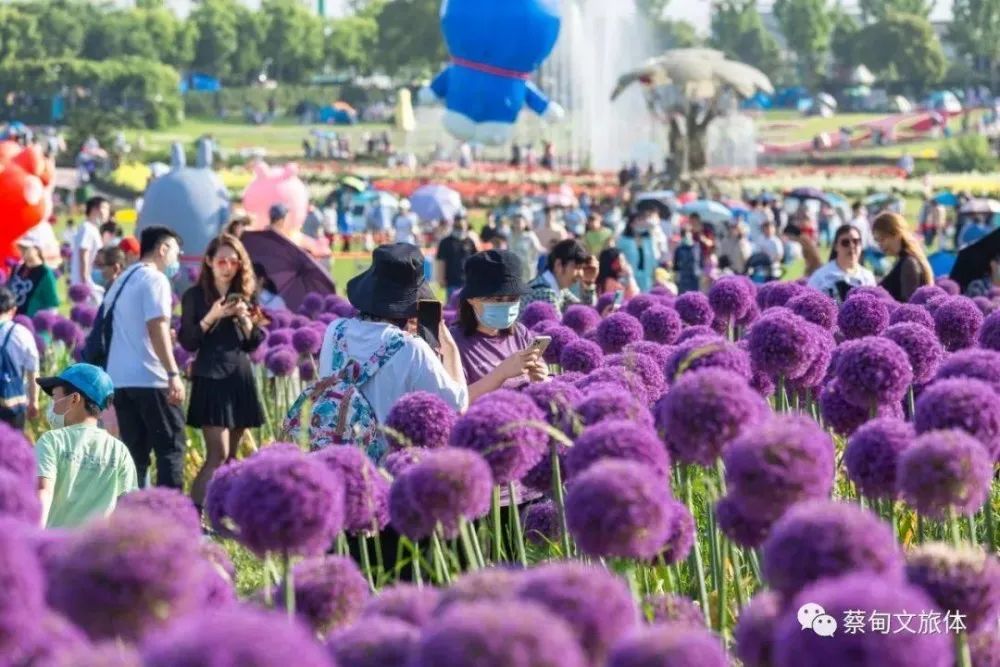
[[753, 477]]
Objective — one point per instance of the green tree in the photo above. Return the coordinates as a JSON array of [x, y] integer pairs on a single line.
[[173, 38], [245, 62], [843, 39], [293, 38], [350, 42], [876, 10], [807, 26], [975, 31], [669, 34], [738, 31], [216, 37], [409, 36], [20, 37], [62, 24], [653, 8], [903, 47]]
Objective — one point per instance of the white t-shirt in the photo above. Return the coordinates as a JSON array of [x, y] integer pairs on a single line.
[[827, 276], [404, 224], [414, 367], [146, 296], [87, 239], [864, 228], [271, 301], [22, 348], [770, 246]]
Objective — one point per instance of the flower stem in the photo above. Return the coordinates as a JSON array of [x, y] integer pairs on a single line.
[[963, 656], [991, 537], [956, 529], [440, 567], [498, 554], [695, 557], [289, 583], [920, 529], [418, 577], [470, 551], [558, 495], [269, 580], [522, 554], [972, 530], [365, 563], [379, 559]]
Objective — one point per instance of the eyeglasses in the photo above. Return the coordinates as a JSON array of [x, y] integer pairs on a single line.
[[850, 243], [222, 262]]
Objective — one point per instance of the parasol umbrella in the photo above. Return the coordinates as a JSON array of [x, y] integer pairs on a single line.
[[806, 193], [292, 270], [435, 202], [708, 210], [973, 261], [981, 206], [354, 183], [946, 198], [942, 262], [562, 197], [662, 201]]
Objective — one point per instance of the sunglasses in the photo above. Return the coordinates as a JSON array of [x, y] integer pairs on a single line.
[[850, 243], [226, 261]]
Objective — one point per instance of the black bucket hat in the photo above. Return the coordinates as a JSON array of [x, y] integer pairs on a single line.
[[391, 287], [493, 273]]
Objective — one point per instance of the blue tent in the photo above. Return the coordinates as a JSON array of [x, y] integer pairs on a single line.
[[200, 83], [761, 101], [789, 98], [329, 114]]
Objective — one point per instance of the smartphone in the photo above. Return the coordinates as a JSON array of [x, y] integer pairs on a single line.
[[233, 299], [541, 343], [619, 299], [429, 313]]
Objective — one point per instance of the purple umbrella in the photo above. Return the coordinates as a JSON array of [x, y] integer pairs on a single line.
[[293, 271], [807, 193], [435, 202]]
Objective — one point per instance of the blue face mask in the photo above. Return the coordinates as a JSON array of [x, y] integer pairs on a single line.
[[500, 315], [97, 277], [172, 269]]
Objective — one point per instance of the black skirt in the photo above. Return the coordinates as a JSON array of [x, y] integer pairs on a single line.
[[230, 402]]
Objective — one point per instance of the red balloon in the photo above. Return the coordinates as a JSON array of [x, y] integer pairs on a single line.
[[24, 175]]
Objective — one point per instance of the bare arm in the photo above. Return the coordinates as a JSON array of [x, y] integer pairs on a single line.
[[45, 492], [30, 377], [439, 272], [159, 336], [84, 266]]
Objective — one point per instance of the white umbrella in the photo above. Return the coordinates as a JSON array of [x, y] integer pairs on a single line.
[[435, 202]]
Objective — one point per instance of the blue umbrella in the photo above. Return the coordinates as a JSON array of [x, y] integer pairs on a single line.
[[436, 202], [946, 198], [708, 210], [942, 262]]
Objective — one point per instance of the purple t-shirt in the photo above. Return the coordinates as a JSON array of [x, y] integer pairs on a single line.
[[481, 354]]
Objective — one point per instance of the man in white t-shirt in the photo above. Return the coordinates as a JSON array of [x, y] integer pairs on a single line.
[[87, 241], [405, 224], [18, 366], [149, 393]]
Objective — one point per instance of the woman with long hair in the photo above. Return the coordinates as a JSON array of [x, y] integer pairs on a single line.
[[844, 270], [220, 322], [614, 273], [912, 269]]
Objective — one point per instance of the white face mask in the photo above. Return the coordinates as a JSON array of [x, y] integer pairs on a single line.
[[55, 419]]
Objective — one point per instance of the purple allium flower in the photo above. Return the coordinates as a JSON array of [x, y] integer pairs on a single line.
[[985, 305], [376, 642], [620, 376], [944, 472], [258, 356], [925, 293], [83, 314], [286, 503], [694, 309], [704, 410], [234, 636], [618, 508], [762, 383], [55, 637], [753, 314], [642, 365], [661, 324], [966, 580], [604, 302], [742, 526], [312, 304], [22, 601], [169, 504], [781, 344], [949, 286], [395, 462], [79, 292], [18, 500], [782, 461], [329, 592], [680, 537], [872, 371], [989, 333], [281, 361], [366, 491], [659, 353], [404, 602], [706, 352], [536, 311], [822, 538], [872, 454], [507, 634], [973, 363], [491, 585], [619, 439], [307, 370], [934, 303], [541, 523], [503, 427], [448, 485], [561, 337], [595, 603], [419, 419], [921, 347], [816, 307], [326, 318], [280, 338], [138, 570], [604, 404], [777, 293], [17, 455], [639, 304], [822, 349], [754, 631], [25, 322], [280, 319], [908, 312], [965, 404], [862, 316], [669, 645], [668, 608], [957, 322], [730, 297], [985, 648], [699, 331], [338, 305], [618, 330], [581, 355], [870, 593], [101, 654], [307, 340], [299, 322], [581, 318], [845, 417], [556, 399], [44, 321], [220, 574], [66, 331], [217, 494]]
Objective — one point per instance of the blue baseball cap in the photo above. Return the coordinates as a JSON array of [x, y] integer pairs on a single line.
[[89, 380]]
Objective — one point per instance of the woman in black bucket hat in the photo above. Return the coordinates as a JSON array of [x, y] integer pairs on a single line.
[[495, 348]]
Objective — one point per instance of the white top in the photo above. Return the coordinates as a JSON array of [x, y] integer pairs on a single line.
[[827, 276], [864, 228], [272, 301], [88, 239], [404, 224], [415, 367], [22, 348], [770, 246], [146, 296]]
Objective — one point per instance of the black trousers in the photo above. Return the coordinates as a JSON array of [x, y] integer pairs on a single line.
[[149, 424]]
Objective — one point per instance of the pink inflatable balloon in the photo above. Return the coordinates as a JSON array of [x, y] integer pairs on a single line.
[[277, 185]]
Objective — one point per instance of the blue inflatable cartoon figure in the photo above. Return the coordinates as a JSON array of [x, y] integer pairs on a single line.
[[192, 201], [495, 45]]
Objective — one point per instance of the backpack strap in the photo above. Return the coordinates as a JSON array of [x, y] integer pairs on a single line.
[[121, 289], [6, 339]]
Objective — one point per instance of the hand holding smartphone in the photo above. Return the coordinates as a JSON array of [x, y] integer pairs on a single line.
[[540, 344], [429, 314]]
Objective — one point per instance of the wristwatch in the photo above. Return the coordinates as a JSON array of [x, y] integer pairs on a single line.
[[172, 374]]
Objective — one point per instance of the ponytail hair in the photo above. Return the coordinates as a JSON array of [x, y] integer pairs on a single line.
[[894, 225]]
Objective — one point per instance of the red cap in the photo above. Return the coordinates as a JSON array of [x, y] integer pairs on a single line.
[[129, 245]]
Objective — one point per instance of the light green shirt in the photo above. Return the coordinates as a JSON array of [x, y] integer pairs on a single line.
[[89, 469]]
